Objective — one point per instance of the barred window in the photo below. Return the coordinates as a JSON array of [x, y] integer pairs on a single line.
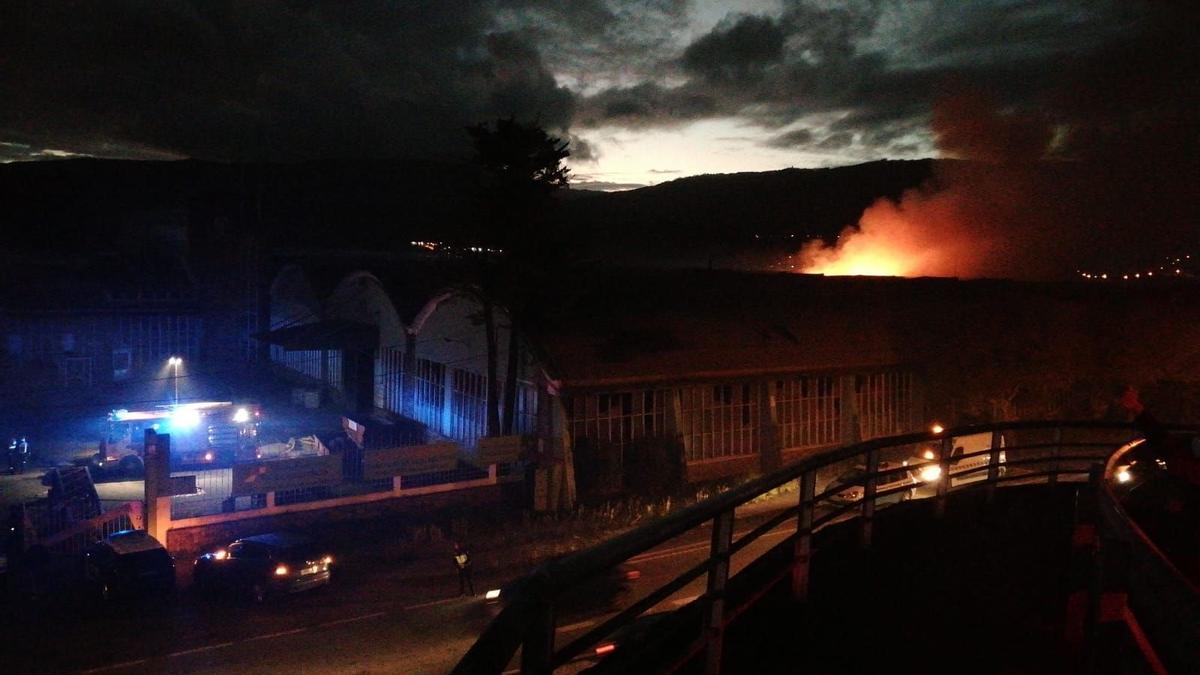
[[809, 411], [719, 421], [618, 417], [306, 362], [468, 406], [885, 403], [527, 408], [389, 376], [429, 378], [333, 371]]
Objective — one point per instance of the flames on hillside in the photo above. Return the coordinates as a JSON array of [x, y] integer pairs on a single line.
[[1028, 197]]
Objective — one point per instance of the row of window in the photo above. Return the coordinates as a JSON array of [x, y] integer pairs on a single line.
[[463, 416], [725, 420]]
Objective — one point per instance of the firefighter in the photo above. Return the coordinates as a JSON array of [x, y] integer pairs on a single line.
[[462, 561], [22, 455]]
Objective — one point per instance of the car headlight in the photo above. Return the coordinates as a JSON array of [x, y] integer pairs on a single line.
[[931, 473], [281, 570], [1123, 475], [492, 594]]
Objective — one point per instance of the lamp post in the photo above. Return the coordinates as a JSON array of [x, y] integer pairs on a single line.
[[174, 362]]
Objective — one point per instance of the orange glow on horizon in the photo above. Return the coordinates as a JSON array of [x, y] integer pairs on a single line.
[[919, 236]]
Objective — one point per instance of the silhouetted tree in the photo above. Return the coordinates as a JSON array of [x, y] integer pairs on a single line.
[[522, 166]]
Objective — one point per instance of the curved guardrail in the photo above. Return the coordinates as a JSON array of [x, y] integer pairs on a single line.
[[1158, 603], [1020, 452]]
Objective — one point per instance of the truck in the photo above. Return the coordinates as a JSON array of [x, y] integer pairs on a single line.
[[204, 434]]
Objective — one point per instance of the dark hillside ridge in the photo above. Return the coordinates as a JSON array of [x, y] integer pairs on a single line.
[[88, 205]]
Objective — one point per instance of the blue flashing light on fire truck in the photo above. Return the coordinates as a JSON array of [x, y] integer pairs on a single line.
[[204, 434]]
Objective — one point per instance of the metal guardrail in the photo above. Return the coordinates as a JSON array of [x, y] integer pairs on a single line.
[[1044, 451], [1157, 602]]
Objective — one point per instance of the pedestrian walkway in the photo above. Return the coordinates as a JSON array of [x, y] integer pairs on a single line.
[[982, 591]]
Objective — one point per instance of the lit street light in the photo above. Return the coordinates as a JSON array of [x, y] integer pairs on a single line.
[[174, 362]]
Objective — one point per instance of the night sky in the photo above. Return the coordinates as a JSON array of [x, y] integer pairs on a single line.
[[646, 90]]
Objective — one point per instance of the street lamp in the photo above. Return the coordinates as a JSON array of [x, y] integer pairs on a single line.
[[174, 362]]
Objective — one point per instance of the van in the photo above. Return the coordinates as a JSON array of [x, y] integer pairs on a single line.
[[963, 469], [850, 485]]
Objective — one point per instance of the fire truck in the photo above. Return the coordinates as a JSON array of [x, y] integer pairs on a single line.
[[205, 434]]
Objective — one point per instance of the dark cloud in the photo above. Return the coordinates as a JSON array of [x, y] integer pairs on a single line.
[[285, 80], [290, 79], [581, 150], [871, 68], [649, 104], [791, 139], [835, 141], [737, 49]]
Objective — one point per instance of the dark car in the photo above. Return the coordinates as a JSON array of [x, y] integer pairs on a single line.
[[128, 564], [265, 564], [602, 591]]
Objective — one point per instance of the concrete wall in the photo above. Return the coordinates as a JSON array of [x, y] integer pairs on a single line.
[[186, 543]]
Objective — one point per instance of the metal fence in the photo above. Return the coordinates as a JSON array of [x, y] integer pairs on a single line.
[[1016, 453], [75, 536], [214, 494]]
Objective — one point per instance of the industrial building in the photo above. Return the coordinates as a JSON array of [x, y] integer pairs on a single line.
[[634, 378]]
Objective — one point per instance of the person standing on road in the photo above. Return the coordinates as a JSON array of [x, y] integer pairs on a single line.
[[462, 561]]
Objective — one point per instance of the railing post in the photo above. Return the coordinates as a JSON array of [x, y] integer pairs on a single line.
[[1055, 452], [1095, 588], [943, 486], [537, 651], [803, 551], [867, 522], [993, 473], [718, 575]]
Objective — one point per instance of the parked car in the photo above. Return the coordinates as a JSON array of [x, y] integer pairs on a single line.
[[851, 484], [128, 564], [264, 565]]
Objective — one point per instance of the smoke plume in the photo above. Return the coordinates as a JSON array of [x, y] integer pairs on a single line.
[[1098, 174]]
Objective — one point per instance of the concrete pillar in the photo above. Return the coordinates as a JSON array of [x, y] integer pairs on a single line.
[[770, 450], [851, 431], [676, 428], [156, 461]]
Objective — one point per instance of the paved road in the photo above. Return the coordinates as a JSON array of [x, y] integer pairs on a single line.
[[371, 621], [374, 619]]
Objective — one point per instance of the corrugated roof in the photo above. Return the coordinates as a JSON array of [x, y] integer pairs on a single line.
[[657, 326], [324, 334]]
